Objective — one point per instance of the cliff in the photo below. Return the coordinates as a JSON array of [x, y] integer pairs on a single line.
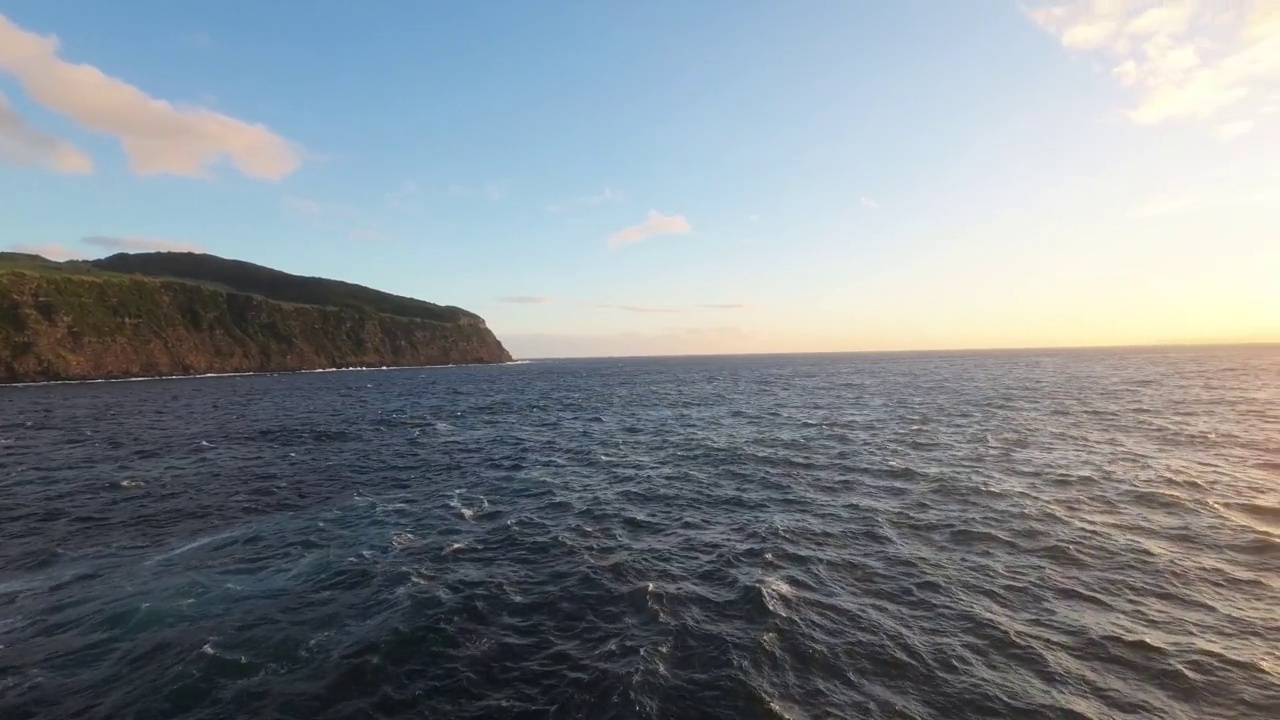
[[195, 314]]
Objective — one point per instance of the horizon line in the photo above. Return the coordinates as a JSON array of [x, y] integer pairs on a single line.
[[921, 351]]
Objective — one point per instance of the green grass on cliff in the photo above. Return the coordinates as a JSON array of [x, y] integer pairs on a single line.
[[73, 322], [242, 277], [246, 277], [34, 263]]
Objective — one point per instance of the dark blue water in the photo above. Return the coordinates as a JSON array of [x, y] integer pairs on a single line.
[[1050, 535]]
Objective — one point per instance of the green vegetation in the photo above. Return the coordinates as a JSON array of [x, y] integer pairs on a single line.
[[38, 264], [88, 320], [246, 277]]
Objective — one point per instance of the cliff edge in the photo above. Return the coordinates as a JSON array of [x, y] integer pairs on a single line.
[[159, 314]]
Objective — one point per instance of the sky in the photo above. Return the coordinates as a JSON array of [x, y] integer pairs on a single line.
[[669, 177]]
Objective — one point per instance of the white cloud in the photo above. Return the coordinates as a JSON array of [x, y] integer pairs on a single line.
[[753, 218], [1233, 130], [140, 244], [1167, 18], [868, 203], [22, 144], [655, 224], [1126, 73], [52, 251], [723, 306], [1089, 35], [1185, 59], [158, 136], [525, 299]]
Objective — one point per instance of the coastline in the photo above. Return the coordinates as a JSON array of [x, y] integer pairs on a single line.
[[263, 372]]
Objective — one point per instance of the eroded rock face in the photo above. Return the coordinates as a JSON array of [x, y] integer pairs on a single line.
[[86, 327]]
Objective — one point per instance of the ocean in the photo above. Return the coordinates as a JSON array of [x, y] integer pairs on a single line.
[[1035, 534]]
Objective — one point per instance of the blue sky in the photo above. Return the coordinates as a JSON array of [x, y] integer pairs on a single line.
[[636, 178]]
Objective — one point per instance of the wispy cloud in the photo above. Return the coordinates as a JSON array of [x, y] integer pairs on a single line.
[[753, 218], [303, 206], [1185, 60], [23, 144], [868, 203], [654, 225], [331, 217], [157, 136], [718, 330], [316, 210], [723, 306], [525, 299], [52, 251], [402, 197], [639, 308], [585, 201], [140, 244]]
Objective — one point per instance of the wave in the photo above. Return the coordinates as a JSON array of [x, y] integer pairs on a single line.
[[726, 560]]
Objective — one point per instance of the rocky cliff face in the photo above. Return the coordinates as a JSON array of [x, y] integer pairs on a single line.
[[81, 327]]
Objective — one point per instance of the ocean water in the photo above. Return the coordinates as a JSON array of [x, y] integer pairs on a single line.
[[1070, 534]]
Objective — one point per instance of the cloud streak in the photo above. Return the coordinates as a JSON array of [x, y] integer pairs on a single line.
[[668, 341], [585, 201], [645, 309], [868, 203], [23, 144], [157, 136], [654, 225], [639, 309], [1188, 60], [140, 244]]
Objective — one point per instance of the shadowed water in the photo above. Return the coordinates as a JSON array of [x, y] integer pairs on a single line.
[[1038, 534]]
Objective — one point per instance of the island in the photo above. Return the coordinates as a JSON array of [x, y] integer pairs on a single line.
[[135, 315]]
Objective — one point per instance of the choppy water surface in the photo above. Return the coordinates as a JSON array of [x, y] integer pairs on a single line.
[[1056, 534]]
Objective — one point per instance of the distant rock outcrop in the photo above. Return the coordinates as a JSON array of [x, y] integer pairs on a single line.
[[159, 314]]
